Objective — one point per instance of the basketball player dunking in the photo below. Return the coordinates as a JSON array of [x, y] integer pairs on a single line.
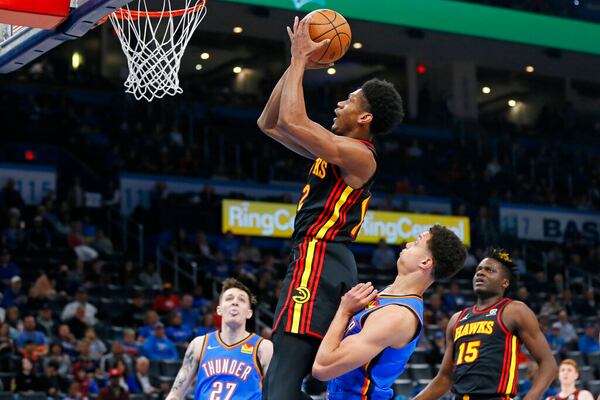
[[483, 342], [366, 348], [229, 363], [330, 211]]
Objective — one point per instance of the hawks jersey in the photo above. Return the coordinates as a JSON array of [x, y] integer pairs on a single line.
[[485, 353], [572, 396], [374, 380], [229, 372], [329, 209]]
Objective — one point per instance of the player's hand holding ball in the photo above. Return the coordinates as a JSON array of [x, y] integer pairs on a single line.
[[357, 298]]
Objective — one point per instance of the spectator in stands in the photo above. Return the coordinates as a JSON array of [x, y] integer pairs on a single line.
[[588, 342], [56, 355], [10, 197], [53, 383], [150, 278], [141, 381], [109, 361], [201, 302], [152, 320], [42, 288], [7, 347], [26, 380], [14, 321], [77, 324], [103, 244], [13, 235], [526, 384], [2, 310], [220, 268], [45, 322], [129, 275], [201, 247], [454, 300], [67, 340], [568, 374], [158, 346], [189, 314], [130, 346], [177, 332], [167, 301], [38, 237], [552, 306], [250, 251], [555, 340], [74, 392], [30, 334], [97, 346], [14, 295], [567, 302], [86, 382], [229, 245], [435, 311], [589, 307], [567, 330], [438, 347], [8, 268], [383, 257], [81, 300], [208, 325], [76, 241]]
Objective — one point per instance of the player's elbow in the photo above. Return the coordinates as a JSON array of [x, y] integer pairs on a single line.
[[321, 372]]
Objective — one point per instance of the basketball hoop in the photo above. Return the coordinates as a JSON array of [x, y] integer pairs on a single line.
[[154, 42]]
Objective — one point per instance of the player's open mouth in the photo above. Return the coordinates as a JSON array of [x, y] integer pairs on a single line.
[[479, 281]]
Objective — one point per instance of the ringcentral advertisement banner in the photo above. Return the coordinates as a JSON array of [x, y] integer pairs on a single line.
[[548, 224], [257, 218]]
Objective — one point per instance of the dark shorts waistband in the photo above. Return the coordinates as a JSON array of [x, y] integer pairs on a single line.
[[481, 397]]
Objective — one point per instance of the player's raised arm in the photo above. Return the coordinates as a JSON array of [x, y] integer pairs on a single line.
[[188, 370], [442, 382], [520, 319]]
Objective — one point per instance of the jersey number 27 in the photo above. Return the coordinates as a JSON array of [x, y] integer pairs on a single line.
[[217, 391]]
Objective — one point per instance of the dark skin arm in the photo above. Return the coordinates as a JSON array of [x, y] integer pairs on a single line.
[[441, 384], [520, 320]]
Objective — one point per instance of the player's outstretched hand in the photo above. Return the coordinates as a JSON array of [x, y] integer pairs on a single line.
[[302, 44], [357, 298]]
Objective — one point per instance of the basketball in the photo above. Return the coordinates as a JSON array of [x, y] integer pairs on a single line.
[[328, 24]]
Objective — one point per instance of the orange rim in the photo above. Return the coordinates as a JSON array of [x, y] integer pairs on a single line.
[[123, 13]]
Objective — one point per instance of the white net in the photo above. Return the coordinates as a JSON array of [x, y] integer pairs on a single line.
[[154, 46]]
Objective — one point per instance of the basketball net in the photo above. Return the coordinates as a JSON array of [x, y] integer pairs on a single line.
[[154, 42]]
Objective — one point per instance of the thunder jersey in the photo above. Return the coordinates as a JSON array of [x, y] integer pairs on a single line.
[[485, 354], [374, 380], [229, 372], [329, 209]]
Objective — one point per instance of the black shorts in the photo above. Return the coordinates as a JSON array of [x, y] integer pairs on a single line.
[[319, 274]]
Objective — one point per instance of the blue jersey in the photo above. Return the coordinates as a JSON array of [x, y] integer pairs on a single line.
[[374, 380], [229, 372]]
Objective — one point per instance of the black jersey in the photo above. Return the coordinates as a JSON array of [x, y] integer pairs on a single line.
[[485, 354], [572, 396], [329, 209]]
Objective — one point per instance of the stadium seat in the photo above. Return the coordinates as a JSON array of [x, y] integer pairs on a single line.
[[166, 379], [420, 371], [405, 374], [33, 396], [137, 396], [577, 356], [594, 387], [154, 368], [586, 373], [403, 387], [170, 367], [419, 356], [594, 361]]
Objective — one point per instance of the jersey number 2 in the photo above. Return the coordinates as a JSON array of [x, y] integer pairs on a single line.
[[217, 390], [468, 352], [305, 192]]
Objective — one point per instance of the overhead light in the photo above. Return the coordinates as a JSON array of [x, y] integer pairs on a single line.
[[237, 70], [238, 29], [512, 103], [331, 71], [76, 60], [198, 67], [357, 45], [486, 90], [205, 56], [529, 68]]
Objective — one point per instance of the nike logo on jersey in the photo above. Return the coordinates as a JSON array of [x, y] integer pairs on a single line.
[[212, 347]]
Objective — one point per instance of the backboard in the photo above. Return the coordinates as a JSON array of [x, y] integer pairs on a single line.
[[20, 45]]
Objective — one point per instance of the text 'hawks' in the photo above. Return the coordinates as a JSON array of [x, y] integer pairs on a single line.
[[227, 366], [473, 328]]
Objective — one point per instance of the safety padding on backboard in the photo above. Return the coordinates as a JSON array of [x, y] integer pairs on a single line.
[[45, 14]]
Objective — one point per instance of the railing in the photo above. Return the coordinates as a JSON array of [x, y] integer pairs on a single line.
[[131, 232], [174, 263]]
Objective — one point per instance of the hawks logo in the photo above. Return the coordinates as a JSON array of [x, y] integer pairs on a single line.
[[303, 295]]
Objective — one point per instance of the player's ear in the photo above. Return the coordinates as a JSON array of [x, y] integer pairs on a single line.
[[219, 311], [365, 118], [505, 284], [249, 314], [427, 263]]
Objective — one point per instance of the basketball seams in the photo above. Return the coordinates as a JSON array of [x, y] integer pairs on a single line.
[[342, 48]]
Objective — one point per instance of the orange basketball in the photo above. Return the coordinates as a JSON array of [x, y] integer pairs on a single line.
[[328, 24]]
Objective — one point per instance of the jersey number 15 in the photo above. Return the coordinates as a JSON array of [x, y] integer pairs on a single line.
[[468, 352]]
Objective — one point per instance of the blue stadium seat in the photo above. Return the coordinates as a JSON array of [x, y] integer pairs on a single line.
[[420, 371], [419, 356], [586, 373], [403, 387], [594, 387], [577, 356]]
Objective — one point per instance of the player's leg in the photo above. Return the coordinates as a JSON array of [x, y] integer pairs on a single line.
[[292, 360]]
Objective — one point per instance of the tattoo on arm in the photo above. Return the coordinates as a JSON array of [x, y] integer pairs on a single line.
[[184, 372]]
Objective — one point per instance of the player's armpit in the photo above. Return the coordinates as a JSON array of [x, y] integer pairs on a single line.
[[390, 326], [188, 370], [442, 382]]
